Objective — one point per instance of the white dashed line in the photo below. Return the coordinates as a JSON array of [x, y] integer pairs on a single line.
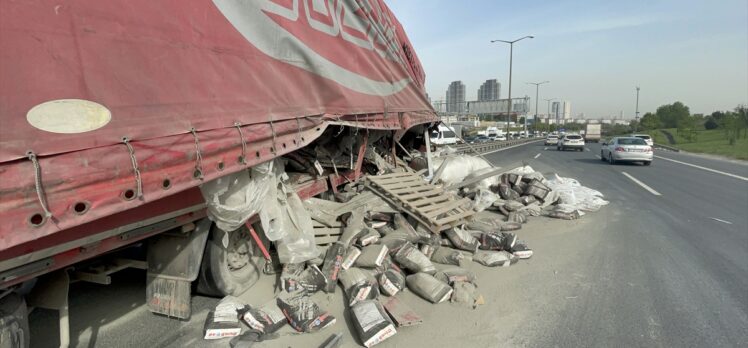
[[651, 190], [598, 156], [705, 168], [545, 149], [538, 155], [722, 221], [586, 149]]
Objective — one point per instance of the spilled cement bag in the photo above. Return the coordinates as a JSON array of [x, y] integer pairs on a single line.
[[391, 282], [372, 256], [332, 264], [357, 285], [510, 226], [413, 235], [452, 274], [350, 257], [493, 258], [556, 214], [394, 242], [462, 239], [516, 217], [527, 200], [232, 199], [303, 314], [512, 205], [448, 256], [465, 293], [506, 192], [414, 260], [372, 323], [428, 287], [267, 318], [370, 236]]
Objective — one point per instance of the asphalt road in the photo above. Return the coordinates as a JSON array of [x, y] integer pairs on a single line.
[[666, 269]]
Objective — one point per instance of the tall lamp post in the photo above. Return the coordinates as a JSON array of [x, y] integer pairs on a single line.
[[636, 125], [537, 88], [511, 47]]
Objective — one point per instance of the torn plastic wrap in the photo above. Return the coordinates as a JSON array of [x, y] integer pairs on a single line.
[[234, 198], [571, 192], [297, 244]]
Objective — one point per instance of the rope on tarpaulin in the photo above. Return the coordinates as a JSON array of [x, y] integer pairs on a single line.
[[38, 183], [243, 157], [198, 174], [135, 169]]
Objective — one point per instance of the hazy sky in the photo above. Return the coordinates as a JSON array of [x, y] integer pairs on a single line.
[[593, 52]]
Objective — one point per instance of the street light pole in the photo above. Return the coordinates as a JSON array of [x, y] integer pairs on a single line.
[[636, 125], [511, 49], [537, 88]]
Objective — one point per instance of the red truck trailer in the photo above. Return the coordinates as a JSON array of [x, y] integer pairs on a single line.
[[113, 113]]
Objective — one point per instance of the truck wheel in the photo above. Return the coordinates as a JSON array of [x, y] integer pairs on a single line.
[[602, 157], [228, 270], [14, 322]]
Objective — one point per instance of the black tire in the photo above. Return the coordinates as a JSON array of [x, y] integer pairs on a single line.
[[602, 157], [14, 322], [647, 163], [227, 270], [610, 159]]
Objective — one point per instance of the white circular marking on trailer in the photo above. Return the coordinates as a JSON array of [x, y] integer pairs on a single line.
[[69, 116]]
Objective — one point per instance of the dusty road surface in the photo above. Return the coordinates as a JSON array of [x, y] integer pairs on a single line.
[[665, 265]]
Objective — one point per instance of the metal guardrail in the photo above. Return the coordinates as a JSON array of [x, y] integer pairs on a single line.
[[669, 148], [494, 145]]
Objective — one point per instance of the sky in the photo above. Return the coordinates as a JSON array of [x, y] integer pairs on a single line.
[[594, 53]]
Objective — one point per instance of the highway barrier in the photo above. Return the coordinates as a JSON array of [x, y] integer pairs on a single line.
[[491, 146], [669, 148]]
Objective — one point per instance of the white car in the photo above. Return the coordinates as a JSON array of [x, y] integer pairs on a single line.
[[646, 138], [626, 149], [551, 139], [570, 141]]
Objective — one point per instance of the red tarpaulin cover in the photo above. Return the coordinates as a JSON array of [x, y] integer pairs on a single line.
[[175, 78]]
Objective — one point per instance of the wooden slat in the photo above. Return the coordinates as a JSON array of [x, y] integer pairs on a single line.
[[455, 217], [398, 180], [390, 175], [421, 202], [400, 185], [448, 207], [414, 189], [435, 206], [434, 191]]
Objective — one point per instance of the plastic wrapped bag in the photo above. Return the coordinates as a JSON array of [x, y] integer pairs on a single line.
[[456, 168], [571, 192], [297, 245], [234, 198], [484, 199]]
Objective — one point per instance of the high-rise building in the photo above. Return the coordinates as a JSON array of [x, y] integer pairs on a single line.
[[456, 97], [489, 90], [567, 110]]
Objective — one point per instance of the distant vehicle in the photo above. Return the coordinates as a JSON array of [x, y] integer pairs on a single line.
[[499, 137], [592, 132], [482, 139], [626, 149], [570, 141], [470, 139], [443, 136], [646, 138], [551, 139]]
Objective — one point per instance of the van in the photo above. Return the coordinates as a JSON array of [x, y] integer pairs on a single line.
[[443, 136]]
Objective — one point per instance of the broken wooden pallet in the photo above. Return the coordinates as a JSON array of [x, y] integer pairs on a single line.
[[433, 207], [326, 235]]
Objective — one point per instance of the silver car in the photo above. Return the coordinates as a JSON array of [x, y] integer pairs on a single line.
[[626, 149]]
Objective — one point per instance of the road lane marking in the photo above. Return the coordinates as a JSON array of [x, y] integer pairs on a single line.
[[538, 155], [545, 148], [651, 190], [598, 156], [586, 149], [722, 221], [705, 168]]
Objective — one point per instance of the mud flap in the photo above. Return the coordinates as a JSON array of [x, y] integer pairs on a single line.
[[173, 264]]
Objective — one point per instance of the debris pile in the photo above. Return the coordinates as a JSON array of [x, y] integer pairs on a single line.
[[400, 232]]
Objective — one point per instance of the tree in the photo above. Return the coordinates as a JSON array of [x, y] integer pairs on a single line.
[[671, 115], [710, 123], [650, 121]]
